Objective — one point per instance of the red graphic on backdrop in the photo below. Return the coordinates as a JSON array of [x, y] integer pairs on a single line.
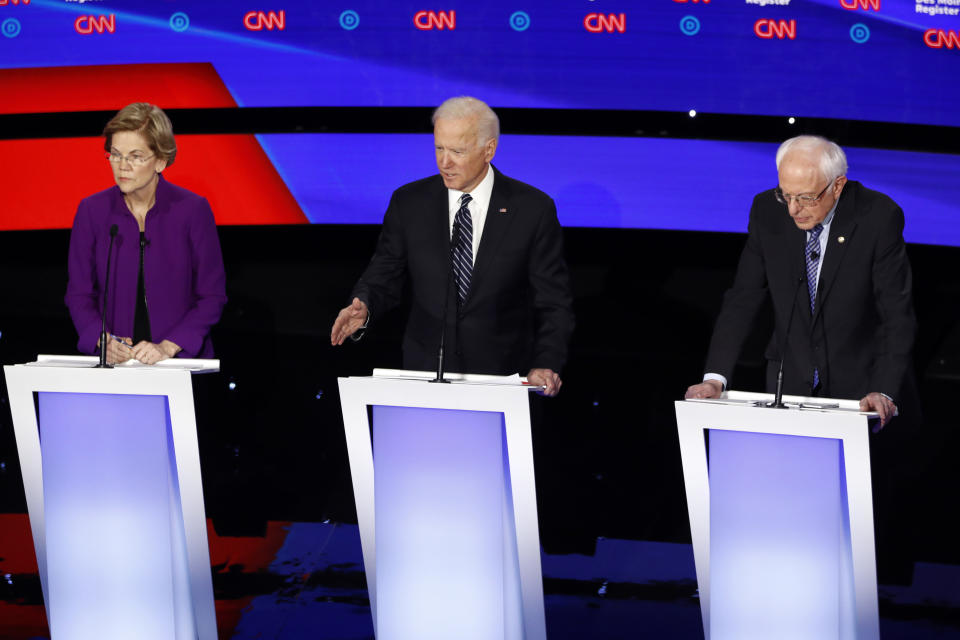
[[231, 171], [86, 25], [767, 29], [938, 38], [269, 20], [4, 3], [428, 20], [598, 22], [866, 5]]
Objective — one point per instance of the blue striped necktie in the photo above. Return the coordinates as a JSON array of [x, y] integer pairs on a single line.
[[812, 253], [463, 248]]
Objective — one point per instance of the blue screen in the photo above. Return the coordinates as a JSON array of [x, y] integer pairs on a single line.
[[643, 183], [885, 60]]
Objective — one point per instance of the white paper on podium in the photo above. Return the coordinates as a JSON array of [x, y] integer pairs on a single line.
[[194, 365], [515, 380], [750, 399]]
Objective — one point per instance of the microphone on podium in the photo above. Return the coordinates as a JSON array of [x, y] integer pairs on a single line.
[[778, 396], [103, 312], [455, 237]]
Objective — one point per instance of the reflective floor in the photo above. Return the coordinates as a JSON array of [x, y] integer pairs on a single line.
[[305, 580]]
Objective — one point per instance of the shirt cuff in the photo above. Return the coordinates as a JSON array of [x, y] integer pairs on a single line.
[[896, 409], [356, 335], [716, 376]]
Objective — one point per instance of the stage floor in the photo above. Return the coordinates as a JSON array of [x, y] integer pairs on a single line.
[[298, 580]]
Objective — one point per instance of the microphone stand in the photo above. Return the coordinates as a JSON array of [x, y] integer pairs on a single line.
[[103, 312], [778, 396], [446, 304]]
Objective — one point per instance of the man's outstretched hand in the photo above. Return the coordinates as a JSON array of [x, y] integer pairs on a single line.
[[348, 321]]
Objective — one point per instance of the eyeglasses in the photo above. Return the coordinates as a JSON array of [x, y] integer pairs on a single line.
[[135, 159], [802, 201]]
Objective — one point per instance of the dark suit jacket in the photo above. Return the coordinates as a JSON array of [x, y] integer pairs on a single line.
[[861, 334], [518, 314]]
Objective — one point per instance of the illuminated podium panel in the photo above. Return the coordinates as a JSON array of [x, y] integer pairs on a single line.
[[781, 517], [111, 473], [446, 506]]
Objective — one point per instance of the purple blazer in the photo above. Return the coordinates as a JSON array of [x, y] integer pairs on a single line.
[[183, 273]]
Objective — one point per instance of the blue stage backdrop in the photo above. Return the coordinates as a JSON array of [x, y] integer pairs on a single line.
[[888, 60], [875, 60]]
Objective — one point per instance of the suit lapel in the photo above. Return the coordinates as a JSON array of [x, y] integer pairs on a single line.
[[499, 217], [794, 246], [841, 231], [789, 254], [437, 224]]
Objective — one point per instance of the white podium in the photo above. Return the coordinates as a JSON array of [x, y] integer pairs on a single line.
[[781, 517], [112, 481], [446, 506]]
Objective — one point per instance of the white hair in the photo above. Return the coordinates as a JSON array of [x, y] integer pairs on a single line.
[[833, 161], [488, 124]]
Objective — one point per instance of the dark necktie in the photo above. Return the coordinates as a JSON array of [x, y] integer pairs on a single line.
[[812, 253], [463, 248]]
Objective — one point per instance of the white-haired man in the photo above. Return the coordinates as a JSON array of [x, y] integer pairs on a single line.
[[830, 253], [482, 248]]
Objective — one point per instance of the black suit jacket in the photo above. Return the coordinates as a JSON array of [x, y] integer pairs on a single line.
[[860, 337], [518, 314]]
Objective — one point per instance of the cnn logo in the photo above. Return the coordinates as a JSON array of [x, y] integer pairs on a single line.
[[866, 5], [768, 29], [598, 23], [86, 25], [429, 20], [938, 39], [269, 20]]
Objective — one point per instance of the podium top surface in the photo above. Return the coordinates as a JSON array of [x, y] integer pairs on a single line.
[[804, 403], [193, 365], [470, 379]]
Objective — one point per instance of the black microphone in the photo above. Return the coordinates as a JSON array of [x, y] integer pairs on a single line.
[[455, 238], [778, 397], [814, 255], [103, 313]]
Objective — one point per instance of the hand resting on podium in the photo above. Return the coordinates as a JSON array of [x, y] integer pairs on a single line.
[[119, 350], [546, 378], [704, 391]]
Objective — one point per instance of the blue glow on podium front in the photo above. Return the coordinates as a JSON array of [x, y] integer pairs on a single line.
[[446, 547], [780, 563], [113, 519]]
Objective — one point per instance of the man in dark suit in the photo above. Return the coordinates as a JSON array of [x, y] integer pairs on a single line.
[[830, 253], [481, 248]]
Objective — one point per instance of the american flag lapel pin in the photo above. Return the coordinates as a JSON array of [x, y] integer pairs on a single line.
[[503, 210]]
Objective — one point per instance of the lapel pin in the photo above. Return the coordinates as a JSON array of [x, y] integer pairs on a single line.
[[503, 210], [841, 239]]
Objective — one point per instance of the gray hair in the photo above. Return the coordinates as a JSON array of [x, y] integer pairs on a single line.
[[488, 124], [833, 161]]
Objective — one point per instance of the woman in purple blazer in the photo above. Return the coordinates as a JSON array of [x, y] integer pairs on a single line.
[[167, 281]]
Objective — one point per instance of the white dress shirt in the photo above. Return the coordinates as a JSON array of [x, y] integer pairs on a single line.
[[477, 207]]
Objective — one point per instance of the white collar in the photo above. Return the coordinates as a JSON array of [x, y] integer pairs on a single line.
[[480, 194]]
